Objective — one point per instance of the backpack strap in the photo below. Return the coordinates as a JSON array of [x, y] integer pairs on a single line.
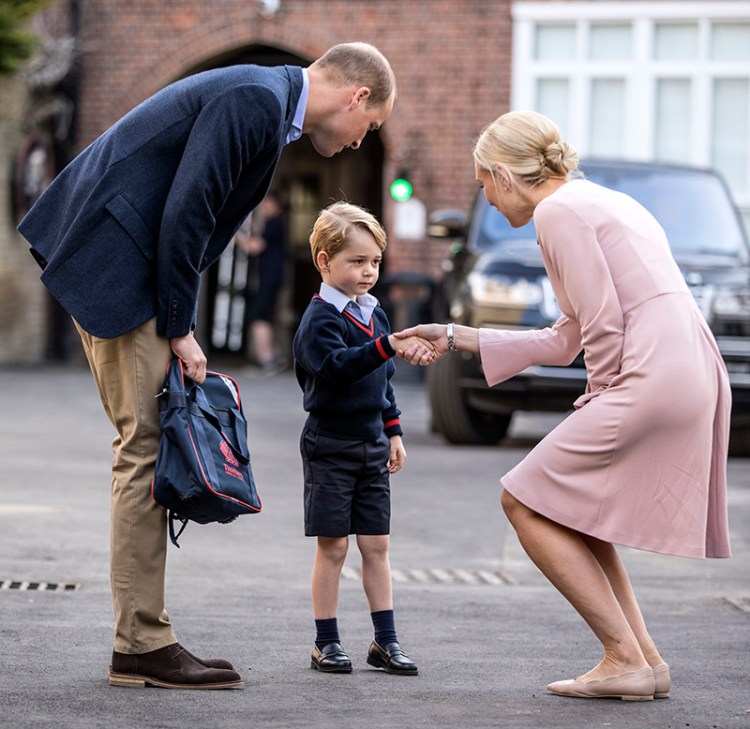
[[172, 518]]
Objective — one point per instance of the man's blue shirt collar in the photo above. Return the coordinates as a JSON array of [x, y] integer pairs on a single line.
[[299, 115]]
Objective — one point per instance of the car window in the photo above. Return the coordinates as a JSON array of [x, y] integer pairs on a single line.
[[692, 207], [491, 231]]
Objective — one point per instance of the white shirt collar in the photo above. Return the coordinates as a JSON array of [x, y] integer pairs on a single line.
[[362, 307]]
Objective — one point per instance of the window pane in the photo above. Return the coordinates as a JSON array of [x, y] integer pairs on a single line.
[[610, 42], [555, 43], [607, 112], [675, 41], [672, 131], [729, 139], [552, 96], [730, 42]]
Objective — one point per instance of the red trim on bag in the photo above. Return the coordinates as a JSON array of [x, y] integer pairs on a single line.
[[233, 381]]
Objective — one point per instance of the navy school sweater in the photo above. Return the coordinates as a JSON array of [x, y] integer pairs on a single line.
[[344, 369]]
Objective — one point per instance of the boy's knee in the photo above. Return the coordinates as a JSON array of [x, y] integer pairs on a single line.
[[333, 549], [373, 547]]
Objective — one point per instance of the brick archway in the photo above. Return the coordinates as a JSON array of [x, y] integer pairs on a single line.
[[196, 49]]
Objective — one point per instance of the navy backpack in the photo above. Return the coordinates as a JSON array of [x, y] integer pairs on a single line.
[[203, 471]]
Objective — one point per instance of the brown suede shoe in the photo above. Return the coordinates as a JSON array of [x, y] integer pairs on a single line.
[[170, 667], [211, 662]]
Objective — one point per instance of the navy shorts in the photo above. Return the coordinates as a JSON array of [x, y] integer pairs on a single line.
[[347, 485]]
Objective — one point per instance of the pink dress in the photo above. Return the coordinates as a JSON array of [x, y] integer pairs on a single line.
[[642, 459]]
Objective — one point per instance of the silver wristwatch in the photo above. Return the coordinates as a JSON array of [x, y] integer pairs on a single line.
[[450, 332]]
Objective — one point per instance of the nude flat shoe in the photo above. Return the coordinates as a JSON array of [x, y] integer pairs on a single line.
[[629, 686], [662, 681]]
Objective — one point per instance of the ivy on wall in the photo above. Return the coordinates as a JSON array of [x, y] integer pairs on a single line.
[[16, 41]]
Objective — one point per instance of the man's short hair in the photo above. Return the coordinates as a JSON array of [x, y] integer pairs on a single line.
[[360, 64]]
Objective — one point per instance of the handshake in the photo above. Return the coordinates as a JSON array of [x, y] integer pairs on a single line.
[[422, 345]]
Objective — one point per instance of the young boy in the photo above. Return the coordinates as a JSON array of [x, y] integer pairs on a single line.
[[352, 438]]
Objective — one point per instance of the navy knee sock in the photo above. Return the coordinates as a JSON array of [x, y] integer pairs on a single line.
[[327, 631], [385, 627]]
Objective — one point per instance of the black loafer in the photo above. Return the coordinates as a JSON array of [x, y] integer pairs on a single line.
[[391, 659], [171, 667], [331, 658]]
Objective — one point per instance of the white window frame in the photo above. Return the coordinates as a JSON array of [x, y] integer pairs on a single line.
[[641, 73]]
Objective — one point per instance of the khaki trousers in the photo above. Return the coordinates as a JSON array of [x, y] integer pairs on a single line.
[[129, 371]]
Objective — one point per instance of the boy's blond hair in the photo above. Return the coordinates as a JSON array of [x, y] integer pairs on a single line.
[[333, 225]]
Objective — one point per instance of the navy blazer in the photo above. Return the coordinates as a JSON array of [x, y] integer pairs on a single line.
[[124, 231]]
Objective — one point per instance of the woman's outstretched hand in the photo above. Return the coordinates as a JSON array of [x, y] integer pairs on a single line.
[[421, 352], [434, 334]]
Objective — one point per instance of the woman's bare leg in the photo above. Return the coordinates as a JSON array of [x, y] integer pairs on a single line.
[[611, 563], [570, 565]]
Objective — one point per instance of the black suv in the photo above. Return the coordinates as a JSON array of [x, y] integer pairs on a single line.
[[495, 278]]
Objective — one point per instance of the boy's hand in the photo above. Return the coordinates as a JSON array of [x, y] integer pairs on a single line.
[[397, 454], [420, 351], [435, 334]]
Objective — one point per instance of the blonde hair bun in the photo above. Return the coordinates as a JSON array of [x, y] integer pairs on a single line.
[[529, 145], [560, 158]]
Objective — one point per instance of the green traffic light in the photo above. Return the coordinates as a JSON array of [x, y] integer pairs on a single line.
[[401, 189]]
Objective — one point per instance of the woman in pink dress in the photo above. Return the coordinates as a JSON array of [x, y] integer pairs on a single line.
[[641, 461]]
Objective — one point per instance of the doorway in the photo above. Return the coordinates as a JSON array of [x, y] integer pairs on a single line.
[[306, 182]]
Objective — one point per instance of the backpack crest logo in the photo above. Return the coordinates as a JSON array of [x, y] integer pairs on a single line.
[[203, 471], [228, 456]]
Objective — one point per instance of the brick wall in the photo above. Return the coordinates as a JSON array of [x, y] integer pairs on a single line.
[[451, 59]]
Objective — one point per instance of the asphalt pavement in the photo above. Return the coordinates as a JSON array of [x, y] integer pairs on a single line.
[[486, 629]]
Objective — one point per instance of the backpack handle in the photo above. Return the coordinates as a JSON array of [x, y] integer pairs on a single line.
[[238, 443]]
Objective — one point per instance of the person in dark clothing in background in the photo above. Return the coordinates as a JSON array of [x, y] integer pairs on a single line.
[[268, 253]]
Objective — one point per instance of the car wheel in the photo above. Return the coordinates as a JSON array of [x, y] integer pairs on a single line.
[[451, 416]]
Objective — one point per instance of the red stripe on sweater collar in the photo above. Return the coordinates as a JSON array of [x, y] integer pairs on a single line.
[[370, 330]]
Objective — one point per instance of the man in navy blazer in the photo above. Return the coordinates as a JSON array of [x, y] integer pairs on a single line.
[[123, 234]]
